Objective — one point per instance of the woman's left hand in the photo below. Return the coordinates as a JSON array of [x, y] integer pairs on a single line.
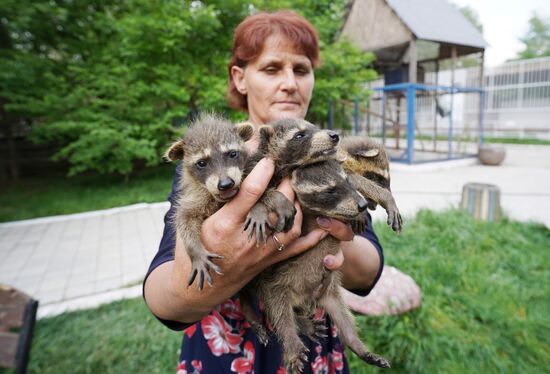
[[340, 231]]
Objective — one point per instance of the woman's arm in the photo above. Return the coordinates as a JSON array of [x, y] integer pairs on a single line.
[[166, 291], [362, 259]]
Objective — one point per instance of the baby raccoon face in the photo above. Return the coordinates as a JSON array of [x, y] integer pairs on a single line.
[[218, 167], [324, 188], [297, 142], [214, 154]]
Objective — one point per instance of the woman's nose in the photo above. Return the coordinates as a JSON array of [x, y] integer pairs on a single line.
[[289, 81]]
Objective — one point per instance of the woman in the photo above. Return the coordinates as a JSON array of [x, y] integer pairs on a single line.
[[271, 77]]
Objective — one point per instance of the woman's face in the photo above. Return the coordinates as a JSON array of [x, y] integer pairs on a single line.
[[278, 84]]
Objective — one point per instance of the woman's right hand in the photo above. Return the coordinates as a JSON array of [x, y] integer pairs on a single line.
[[222, 233]]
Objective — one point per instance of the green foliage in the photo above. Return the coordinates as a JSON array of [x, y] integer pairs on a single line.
[[484, 309], [537, 40], [110, 81], [484, 288]]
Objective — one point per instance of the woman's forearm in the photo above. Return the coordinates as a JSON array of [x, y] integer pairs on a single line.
[[169, 297], [361, 263]]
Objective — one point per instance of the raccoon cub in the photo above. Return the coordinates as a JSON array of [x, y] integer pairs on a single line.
[[291, 290], [213, 157], [291, 143], [367, 165]]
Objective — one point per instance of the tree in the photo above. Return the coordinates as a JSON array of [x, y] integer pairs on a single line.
[[472, 16], [110, 81], [537, 40]]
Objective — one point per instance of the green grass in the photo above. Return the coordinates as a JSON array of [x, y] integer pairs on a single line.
[[486, 297], [485, 309], [45, 196]]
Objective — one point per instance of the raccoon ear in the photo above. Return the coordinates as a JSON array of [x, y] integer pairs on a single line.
[[368, 153], [266, 132], [245, 131], [175, 151]]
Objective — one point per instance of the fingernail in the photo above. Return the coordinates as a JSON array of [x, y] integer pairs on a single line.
[[323, 222], [267, 160], [329, 261]]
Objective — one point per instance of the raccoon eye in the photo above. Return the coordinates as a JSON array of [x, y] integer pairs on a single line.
[[299, 135], [201, 164], [233, 154]]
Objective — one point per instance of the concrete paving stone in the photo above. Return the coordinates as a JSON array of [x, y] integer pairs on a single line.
[[8, 277], [107, 284], [34, 234], [107, 272], [132, 279], [81, 278], [28, 284], [78, 290], [35, 270], [48, 297], [52, 284]]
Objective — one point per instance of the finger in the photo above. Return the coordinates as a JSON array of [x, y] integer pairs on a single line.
[[252, 188], [285, 187], [301, 244], [338, 229], [334, 262]]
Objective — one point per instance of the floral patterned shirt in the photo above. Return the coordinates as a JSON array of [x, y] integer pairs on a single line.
[[223, 342]]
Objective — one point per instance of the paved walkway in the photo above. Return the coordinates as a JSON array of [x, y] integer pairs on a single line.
[[84, 259]]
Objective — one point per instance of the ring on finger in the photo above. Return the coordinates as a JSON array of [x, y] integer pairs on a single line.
[[278, 242]]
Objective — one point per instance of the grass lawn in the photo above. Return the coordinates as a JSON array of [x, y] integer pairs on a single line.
[[45, 196], [485, 309]]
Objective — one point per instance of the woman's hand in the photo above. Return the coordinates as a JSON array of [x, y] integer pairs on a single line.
[[340, 231], [223, 233]]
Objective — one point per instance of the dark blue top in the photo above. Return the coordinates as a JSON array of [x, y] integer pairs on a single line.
[[222, 341]]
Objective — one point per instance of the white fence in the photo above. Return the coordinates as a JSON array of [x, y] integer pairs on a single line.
[[517, 101]]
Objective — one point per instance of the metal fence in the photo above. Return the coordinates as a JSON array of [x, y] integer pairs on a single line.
[[516, 103]]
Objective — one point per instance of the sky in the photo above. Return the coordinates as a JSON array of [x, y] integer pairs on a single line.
[[504, 22]]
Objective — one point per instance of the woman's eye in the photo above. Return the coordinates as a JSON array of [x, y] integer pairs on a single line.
[[270, 70], [233, 154], [299, 135], [302, 72], [201, 164]]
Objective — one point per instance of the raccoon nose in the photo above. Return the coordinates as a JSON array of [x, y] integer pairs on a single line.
[[225, 184], [362, 205], [334, 136]]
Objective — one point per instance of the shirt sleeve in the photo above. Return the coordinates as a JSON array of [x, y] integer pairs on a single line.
[[167, 245]]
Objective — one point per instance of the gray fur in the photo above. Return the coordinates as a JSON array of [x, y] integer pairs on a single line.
[[291, 290], [367, 164], [213, 157]]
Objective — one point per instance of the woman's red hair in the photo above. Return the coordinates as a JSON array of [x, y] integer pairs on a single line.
[[251, 34]]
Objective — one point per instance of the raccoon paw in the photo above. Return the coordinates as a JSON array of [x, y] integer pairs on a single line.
[[260, 332], [316, 331], [376, 360], [202, 267], [394, 220], [360, 224], [294, 363], [285, 217], [257, 223]]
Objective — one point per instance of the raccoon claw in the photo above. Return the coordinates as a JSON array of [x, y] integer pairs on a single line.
[[285, 219], [201, 268], [295, 364], [374, 359], [394, 220], [257, 224], [260, 332]]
